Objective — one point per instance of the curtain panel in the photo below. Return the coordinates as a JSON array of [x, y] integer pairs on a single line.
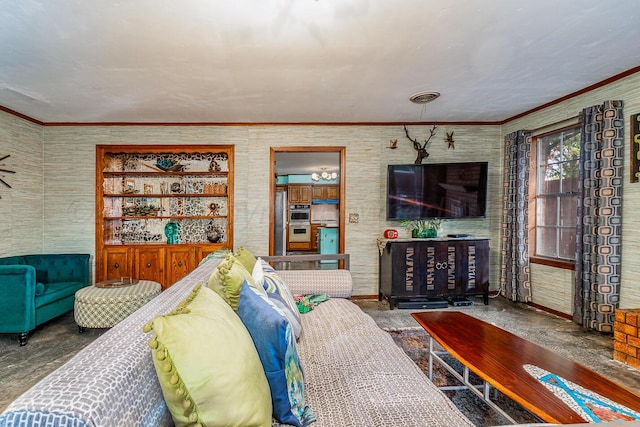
[[515, 282], [598, 230]]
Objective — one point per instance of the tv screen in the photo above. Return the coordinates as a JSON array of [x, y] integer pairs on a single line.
[[437, 190]]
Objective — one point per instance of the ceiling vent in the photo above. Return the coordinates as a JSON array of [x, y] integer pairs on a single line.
[[424, 97]]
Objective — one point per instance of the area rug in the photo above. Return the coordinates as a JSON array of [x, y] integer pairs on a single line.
[[415, 344]]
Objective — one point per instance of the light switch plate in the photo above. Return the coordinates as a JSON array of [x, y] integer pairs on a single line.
[[354, 218]]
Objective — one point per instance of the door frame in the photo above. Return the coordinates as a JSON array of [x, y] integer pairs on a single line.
[[272, 188]]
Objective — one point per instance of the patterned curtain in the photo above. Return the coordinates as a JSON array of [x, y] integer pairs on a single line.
[[598, 230], [514, 278]]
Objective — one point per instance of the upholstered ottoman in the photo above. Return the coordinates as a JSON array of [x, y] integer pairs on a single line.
[[97, 307]]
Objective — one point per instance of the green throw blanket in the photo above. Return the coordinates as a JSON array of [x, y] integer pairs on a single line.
[[306, 303]]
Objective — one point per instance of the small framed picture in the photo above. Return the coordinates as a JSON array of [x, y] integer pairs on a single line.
[[148, 189], [129, 185]]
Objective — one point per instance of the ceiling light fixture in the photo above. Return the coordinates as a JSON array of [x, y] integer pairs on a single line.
[[327, 176], [424, 97]]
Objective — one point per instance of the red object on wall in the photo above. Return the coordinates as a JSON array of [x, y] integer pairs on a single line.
[[391, 234]]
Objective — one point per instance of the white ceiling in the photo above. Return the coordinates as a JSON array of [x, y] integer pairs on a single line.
[[320, 61]]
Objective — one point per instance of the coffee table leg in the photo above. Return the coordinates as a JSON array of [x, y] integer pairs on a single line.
[[430, 358]]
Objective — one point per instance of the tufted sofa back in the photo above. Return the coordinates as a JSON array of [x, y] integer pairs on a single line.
[[61, 267]]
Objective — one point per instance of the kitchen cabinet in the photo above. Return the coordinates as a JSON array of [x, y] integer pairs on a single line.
[[314, 236], [326, 192], [145, 191], [299, 194]]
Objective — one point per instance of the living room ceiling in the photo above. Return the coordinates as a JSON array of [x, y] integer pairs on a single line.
[[305, 61]]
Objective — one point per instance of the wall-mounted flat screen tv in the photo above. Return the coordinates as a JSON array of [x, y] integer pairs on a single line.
[[437, 190]]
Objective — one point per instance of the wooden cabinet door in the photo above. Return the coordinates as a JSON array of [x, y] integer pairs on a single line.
[[117, 263], [180, 262], [332, 192], [149, 263], [299, 194], [318, 192], [314, 237]]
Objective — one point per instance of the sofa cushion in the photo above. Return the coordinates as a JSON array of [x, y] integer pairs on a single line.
[[246, 258], [56, 291], [12, 260], [273, 337], [207, 364], [227, 279], [278, 291]]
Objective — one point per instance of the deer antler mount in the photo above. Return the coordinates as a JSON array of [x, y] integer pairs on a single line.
[[421, 148]]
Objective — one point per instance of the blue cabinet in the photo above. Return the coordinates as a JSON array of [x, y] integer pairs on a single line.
[[328, 242]]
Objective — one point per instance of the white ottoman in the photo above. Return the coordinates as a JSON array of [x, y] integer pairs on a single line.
[[96, 307]]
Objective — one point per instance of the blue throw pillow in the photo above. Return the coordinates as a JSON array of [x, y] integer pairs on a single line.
[[279, 293], [273, 337]]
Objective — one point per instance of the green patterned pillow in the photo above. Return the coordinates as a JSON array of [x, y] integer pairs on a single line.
[[227, 279], [246, 258], [208, 366]]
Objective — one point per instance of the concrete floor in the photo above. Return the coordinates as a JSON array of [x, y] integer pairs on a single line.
[[57, 341], [591, 349]]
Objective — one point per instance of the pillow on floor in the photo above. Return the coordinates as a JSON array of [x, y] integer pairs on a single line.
[[227, 279], [208, 367], [276, 346], [278, 291]]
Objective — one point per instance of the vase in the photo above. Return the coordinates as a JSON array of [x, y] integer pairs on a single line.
[[424, 234]]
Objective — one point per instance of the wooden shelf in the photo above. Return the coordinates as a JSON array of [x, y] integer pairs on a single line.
[[158, 196], [109, 218], [159, 172]]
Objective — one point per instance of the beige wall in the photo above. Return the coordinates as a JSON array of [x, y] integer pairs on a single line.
[[549, 283], [21, 207], [51, 208], [70, 178]]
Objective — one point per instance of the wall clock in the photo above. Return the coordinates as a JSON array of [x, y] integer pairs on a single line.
[[4, 172]]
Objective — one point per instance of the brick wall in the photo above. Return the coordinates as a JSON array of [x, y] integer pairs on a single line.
[[626, 345]]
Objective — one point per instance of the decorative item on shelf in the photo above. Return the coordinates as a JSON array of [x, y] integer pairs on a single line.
[[215, 233], [169, 165], [449, 139], [391, 234], [140, 210], [393, 144], [214, 209], [172, 231], [421, 149], [176, 187], [214, 166], [422, 228]]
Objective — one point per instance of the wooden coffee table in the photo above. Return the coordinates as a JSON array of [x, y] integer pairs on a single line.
[[506, 361]]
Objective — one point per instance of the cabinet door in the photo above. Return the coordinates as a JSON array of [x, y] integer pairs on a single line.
[[407, 270], [180, 262], [318, 192], [474, 276], [117, 263], [314, 237], [305, 194], [332, 192], [150, 264]]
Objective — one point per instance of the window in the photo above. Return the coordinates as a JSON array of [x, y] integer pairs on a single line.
[[558, 155]]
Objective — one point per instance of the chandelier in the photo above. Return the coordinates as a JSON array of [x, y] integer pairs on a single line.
[[327, 176]]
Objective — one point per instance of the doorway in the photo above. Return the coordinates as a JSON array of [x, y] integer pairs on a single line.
[[307, 200]]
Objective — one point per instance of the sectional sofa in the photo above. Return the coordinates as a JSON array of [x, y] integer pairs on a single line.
[[354, 374]]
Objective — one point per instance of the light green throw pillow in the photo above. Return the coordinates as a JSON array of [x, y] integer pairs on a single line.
[[208, 366], [227, 279], [246, 258]]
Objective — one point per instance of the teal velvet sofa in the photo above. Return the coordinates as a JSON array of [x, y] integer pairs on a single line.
[[37, 288]]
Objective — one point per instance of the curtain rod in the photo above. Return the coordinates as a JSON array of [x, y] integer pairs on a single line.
[[576, 118]]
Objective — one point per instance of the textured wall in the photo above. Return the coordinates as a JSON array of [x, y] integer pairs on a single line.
[[543, 279], [69, 153], [51, 207], [21, 207]]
